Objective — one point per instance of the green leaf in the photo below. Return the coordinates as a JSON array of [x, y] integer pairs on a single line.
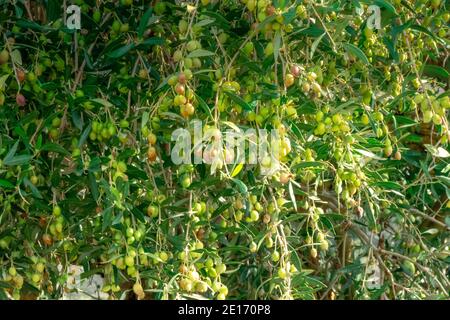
[[203, 105], [95, 164], [308, 164], [11, 152], [237, 169], [223, 22], [437, 152], [241, 186], [447, 221], [27, 24], [292, 195], [357, 52], [388, 185], [6, 184], [289, 15], [103, 102], [370, 216], [151, 42], [387, 5], [53, 10], [121, 51], [38, 142], [422, 29], [238, 100], [84, 135], [311, 31], [368, 154], [18, 160], [93, 186], [33, 188], [3, 79], [54, 148], [200, 53], [436, 71], [204, 22], [263, 24], [277, 45], [76, 119], [221, 209], [107, 218], [145, 117], [315, 44], [16, 57], [444, 179], [138, 214], [143, 23], [431, 231]]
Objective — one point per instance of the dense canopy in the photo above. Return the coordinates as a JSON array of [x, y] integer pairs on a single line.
[[353, 205]]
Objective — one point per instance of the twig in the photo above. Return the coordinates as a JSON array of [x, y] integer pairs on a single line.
[[434, 220]]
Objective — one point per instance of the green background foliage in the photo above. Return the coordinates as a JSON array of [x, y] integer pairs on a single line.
[[358, 208]]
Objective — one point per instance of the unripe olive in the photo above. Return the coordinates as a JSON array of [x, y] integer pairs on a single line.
[[191, 45], [177, 56], [12, 271], [116, 26], [289, 80], [183, 26], [282, 274]]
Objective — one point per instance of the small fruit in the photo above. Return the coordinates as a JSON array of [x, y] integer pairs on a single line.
[[289, 80], [138, 291], [12, 271], [39, 267], [186, 284], [275, 256], [254, 215], [20, 100], [409, 267], [313, 253], [180, 89], [163, 256], [160, 8], [96, 16], [221, 296], [129, 261], [435, 4], [36, 278], [4, 56], [116, 26], [253, 247], [56, 211], [183, 26], [143, 73], [295, 70], [282, 274], [186, 182], [191, 45], [151, 154], [152, 211], [378, 116], [47, 239], [251, 5], [201, 287], [18, 281], [365, 119], [388, 150], [21, 75]]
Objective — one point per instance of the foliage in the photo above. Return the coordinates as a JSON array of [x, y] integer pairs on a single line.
[[358, 208]]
